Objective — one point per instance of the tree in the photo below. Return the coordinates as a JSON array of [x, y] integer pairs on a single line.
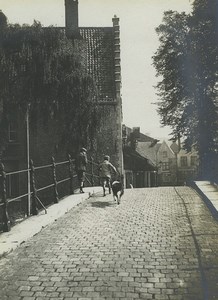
[[42, 69], [204, 34], [3, 20], [170, 62], [187, 62]]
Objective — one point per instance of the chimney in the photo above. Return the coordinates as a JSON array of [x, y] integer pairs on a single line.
[[71, 18]]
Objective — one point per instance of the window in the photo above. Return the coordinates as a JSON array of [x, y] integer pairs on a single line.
[[165, 166], [184, 161], [12, 132]]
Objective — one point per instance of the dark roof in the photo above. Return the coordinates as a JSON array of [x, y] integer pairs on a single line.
[[145, 138], [100, 59], [174, 147], [135, 162]]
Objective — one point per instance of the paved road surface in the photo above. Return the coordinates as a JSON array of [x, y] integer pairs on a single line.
[[159, 243]]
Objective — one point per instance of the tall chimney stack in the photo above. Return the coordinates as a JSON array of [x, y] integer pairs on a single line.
[[71, 17]]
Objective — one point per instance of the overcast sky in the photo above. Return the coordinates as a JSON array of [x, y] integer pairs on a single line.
[[139, 41]]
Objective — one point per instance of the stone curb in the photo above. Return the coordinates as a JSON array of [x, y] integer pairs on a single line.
[[209, 193]]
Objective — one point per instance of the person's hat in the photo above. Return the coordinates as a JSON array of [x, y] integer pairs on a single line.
[[84, 149], [106, 157]]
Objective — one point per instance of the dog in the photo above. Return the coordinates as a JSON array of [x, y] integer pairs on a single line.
[[118, 190]]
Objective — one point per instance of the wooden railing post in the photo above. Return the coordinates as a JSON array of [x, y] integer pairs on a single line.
[[71, 174], [35, 210], [92, 171], [6, 221], [56, 198]]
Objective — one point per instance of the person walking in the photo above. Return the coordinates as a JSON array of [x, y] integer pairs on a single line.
[[105, 169], [81, 163]]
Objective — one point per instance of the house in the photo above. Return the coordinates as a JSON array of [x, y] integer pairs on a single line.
[[161, 155], [139, 170], [166, 162], [187, 164], [174, 166]]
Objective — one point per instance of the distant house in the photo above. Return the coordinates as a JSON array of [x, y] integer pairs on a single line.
[[162, 156], [173, 166], [166, 162], [187, 164], [139, 170]]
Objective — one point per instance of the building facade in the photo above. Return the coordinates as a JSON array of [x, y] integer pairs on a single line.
[[187, 166], [166, 164], [102, 48]]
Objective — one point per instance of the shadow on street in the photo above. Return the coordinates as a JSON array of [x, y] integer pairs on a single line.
[[102, 204]]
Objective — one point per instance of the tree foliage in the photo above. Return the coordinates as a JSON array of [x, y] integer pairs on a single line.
[[3, 20], [43, 70], [187, 63]]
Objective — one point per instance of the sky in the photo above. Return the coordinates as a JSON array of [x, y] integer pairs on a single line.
[[139, 41]]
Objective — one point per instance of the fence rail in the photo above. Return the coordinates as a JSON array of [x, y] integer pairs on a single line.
[[59, 176]]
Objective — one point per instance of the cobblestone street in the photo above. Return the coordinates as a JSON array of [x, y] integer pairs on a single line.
[[159, 243]]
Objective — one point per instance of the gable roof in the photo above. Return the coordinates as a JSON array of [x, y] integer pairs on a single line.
[[166, 147], [145, 150], [100, 59], [99, 56]]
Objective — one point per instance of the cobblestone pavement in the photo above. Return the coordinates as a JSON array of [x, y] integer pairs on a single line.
[[159, 243]]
